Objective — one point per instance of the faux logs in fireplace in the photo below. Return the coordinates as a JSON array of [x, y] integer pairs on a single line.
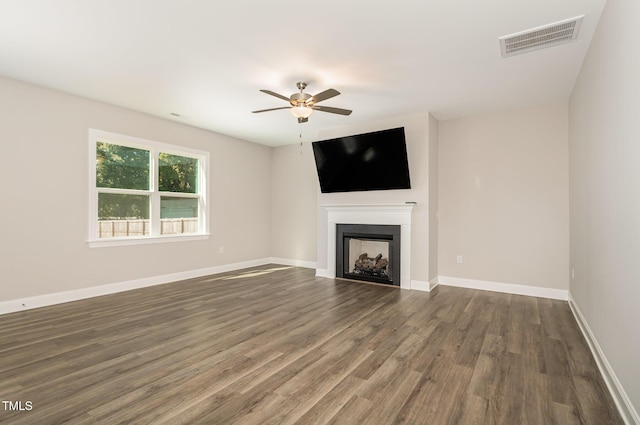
[[368, 252]]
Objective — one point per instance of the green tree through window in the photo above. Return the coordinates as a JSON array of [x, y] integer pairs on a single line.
[[121, 167], [177, 173]]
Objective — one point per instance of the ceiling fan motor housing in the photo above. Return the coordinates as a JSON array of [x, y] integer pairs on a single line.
[[299, 98]]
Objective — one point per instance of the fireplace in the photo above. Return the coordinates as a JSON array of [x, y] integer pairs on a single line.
[[367, 214], [368, 252]]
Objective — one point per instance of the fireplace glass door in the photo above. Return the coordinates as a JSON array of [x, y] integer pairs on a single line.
[[368, 252], [368, 258]]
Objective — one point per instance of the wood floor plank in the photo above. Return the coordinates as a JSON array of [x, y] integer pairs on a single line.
[[537, 407], [474, 410], [277, 345], [355, 411], [469, 351], [506, 404], [391, 397], [331, 403], [308, 389]]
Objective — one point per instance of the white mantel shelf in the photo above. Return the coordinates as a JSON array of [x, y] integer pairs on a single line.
[[386, 214], [371, 213], [396, 206]]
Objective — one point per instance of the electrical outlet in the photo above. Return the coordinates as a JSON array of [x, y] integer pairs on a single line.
[[459, 259], [573, 273], [221, 249]]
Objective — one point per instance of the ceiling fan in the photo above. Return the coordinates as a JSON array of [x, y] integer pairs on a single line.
[[303, 104]]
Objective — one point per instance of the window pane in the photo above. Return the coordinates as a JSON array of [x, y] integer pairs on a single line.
[[113, 206], [121, 167], [123, 215], [177, 173], [178, 215]]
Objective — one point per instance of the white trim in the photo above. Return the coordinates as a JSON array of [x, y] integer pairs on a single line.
[[620, 397], [416, 285], [294, 263], [372, 213], [383, 214], [143, 240], [509, 288], [420, 285], [325, 273], [111, 288]]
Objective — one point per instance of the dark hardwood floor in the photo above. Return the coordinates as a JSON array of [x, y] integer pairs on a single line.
[[275, 345]]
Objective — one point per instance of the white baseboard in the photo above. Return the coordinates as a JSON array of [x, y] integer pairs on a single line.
[[420, 285], [416, 285], [111, 288], [326, 273], [509, 288], [295, 263], [620, 397]]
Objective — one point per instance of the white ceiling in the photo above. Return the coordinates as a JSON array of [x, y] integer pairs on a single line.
[[206, 59]]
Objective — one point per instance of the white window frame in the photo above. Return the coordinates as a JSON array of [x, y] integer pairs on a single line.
[[154, 194]]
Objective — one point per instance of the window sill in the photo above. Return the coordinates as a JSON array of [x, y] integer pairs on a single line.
[[107, 242]]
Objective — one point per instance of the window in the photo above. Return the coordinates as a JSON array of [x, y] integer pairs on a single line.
[[143, 191]]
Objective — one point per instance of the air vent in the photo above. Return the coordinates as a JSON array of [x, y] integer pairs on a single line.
[[541, 37]]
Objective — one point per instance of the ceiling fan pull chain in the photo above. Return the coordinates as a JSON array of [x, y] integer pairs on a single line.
[[300, 140]]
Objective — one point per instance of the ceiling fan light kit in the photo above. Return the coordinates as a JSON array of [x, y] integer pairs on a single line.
[[301, 111], [303, 104]]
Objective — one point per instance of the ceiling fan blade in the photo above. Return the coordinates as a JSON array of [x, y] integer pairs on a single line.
[[332, 110], [271, 109], [275, 94], [327, 94]]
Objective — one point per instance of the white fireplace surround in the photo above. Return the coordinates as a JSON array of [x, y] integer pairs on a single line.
[[387, 214]]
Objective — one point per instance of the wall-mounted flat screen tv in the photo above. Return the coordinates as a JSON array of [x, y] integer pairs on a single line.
[[371, 161]]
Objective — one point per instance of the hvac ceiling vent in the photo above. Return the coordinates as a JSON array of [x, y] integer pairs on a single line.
[[541, 37]]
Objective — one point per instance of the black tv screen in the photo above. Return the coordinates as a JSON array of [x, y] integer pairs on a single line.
[[371, 161]]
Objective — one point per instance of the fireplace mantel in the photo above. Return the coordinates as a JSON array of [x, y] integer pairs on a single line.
[[394, 214]]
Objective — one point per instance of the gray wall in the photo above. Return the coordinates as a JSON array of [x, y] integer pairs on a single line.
[[605, 191], [44, 190], [504, 197], [294, 204]]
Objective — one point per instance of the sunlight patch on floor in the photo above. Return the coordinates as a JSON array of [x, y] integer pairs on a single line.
[[251, 273]]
